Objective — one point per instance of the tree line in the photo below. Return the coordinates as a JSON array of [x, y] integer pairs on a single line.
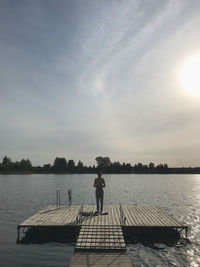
[[60, 165], [104, 164]]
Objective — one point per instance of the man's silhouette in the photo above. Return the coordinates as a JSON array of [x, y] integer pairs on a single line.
[[99, 183]]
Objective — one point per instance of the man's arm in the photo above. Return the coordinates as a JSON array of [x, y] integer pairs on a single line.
[[95, 184], [103, 184]]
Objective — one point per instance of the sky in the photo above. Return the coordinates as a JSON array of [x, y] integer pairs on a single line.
[[87, 78]]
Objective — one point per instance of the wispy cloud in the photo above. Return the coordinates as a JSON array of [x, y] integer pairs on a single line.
[[85, 79]]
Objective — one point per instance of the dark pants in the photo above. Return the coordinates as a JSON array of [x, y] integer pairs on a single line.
[[99, 197]]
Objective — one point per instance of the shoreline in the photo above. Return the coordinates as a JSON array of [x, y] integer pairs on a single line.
[[105, 173]]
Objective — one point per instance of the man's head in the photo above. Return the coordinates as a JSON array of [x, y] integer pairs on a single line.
[[99, 174]]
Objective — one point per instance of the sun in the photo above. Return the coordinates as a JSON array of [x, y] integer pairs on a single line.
[[190, 76]]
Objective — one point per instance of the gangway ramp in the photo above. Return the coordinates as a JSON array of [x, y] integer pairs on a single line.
[[101, 260], [96, 237]]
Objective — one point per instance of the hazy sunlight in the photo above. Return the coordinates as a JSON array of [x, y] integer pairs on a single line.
[[190, 76]]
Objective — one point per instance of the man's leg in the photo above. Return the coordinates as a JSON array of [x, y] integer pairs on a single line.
[[101, 199], [97, 199]]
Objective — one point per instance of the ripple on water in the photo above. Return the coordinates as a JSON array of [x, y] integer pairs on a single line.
[[22, 196]]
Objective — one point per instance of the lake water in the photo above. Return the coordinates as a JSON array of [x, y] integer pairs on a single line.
[[23, 195]]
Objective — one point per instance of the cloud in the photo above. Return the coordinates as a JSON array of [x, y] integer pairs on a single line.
[[92, 78]]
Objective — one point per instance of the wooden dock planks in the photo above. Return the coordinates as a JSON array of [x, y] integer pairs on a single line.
[[148, 216], [112, 218], [101, 260], [136, 216], [53, 216]]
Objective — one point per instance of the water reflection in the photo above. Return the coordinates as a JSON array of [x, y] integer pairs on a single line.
[[22, 196]]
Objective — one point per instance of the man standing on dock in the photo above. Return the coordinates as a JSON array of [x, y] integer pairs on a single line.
[[99, 183]]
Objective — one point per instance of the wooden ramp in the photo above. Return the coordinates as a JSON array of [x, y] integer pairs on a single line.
[[100, 238], [101, 260]]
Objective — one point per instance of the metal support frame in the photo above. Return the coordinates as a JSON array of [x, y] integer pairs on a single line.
[[78, 223], [18, 234], [58, 197], [186, 231], [122, 216]]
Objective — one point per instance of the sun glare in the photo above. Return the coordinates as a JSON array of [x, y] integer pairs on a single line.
[[190, 76]]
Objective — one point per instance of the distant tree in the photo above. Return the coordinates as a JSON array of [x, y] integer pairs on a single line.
[[128, 168], [71, 165], [138, 168], [160, 166], [99, 161], [103, 163], [140, 165], [80, 164], [145, 168], [80, 167], [151, 165], [60, 165], [46, 167], [25, 165], [6, 161], [94, 170], [6, 164], [117, 167], [16, 166], [38, 169]]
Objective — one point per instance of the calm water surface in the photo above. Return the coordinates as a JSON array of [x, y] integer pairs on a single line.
[[23, 195]]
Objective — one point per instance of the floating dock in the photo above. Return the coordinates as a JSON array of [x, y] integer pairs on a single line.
[[125, 215], [100, 238]]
